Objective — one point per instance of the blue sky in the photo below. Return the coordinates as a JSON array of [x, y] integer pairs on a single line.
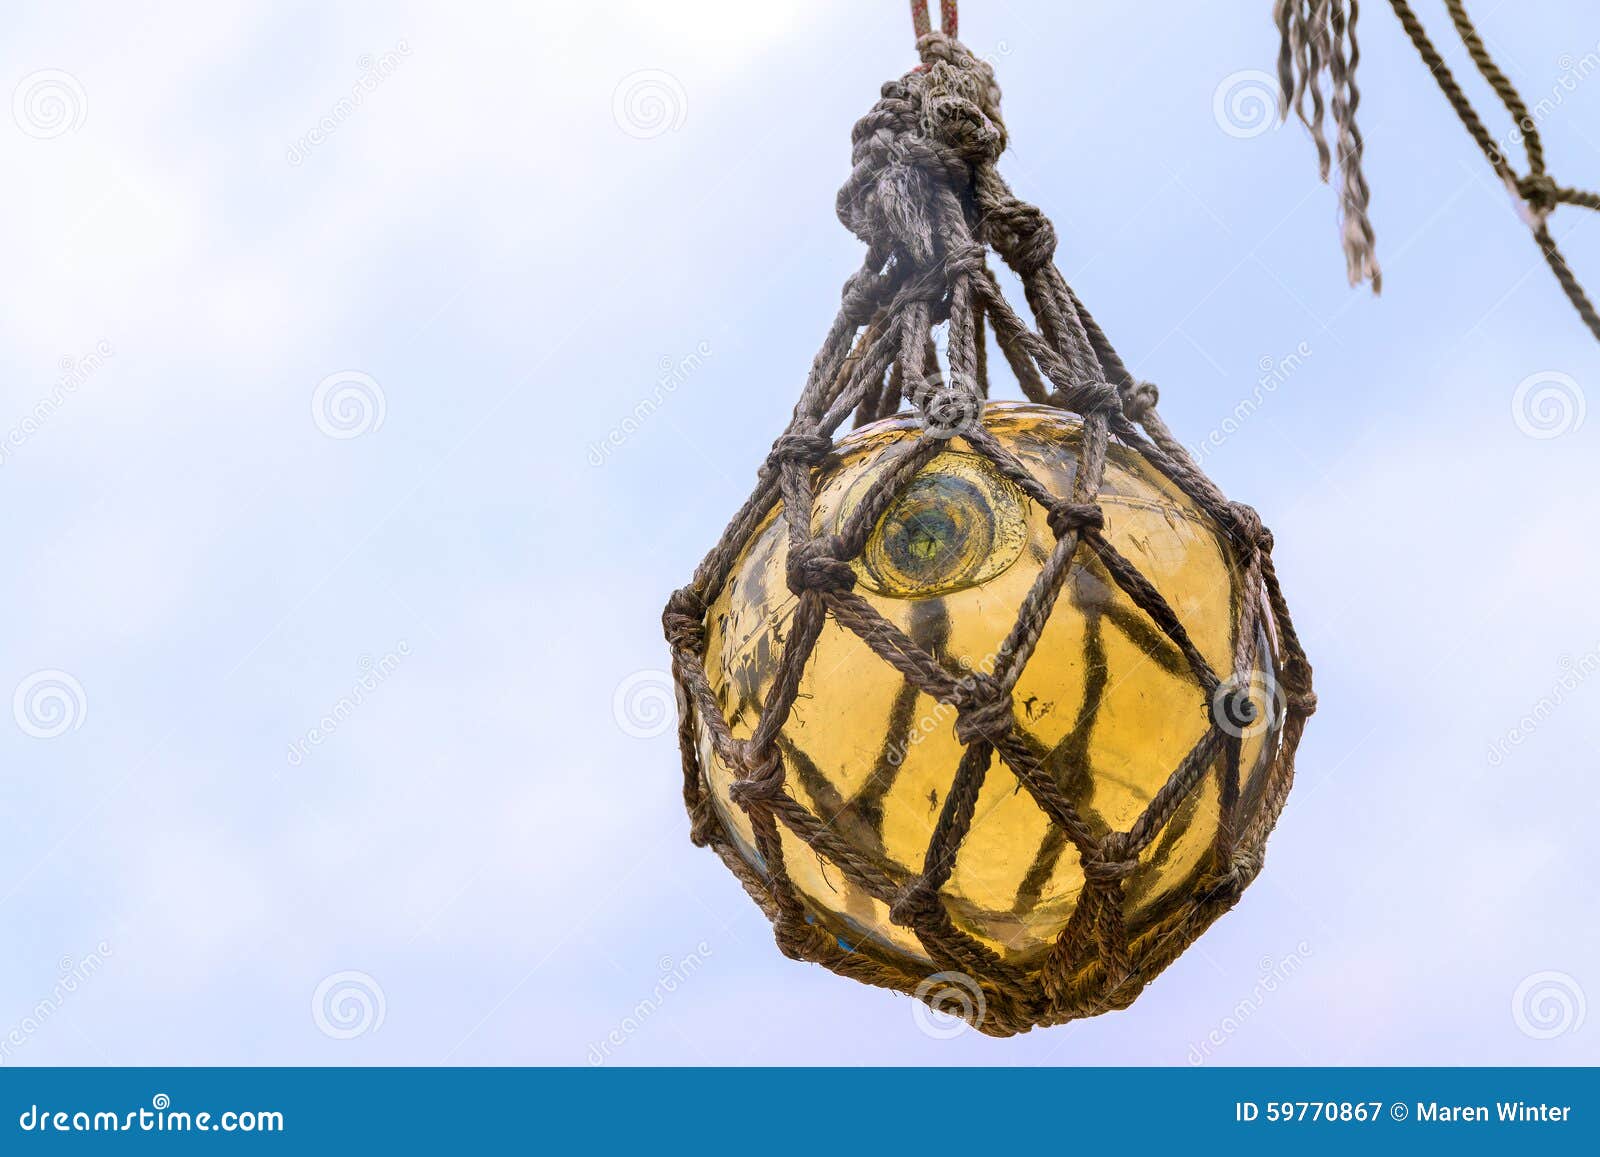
[[338, 366]]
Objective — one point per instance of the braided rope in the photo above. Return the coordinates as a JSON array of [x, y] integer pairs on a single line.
[[925, 197]]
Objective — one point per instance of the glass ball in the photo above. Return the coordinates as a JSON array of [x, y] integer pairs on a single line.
[[1106, 699]]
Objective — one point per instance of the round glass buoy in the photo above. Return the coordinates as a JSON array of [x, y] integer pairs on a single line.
[[1106, 699]]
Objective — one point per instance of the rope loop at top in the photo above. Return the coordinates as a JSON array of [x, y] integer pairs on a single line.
[[923, 24]]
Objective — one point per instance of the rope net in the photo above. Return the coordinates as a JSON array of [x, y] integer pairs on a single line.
[[925, 197]]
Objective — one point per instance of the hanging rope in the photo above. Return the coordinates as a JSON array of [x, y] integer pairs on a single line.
[[923, 25], [1319, 36], [1538, 192], [927, 199]]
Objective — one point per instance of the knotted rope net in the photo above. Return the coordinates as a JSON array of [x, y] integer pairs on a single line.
[[928, 202]]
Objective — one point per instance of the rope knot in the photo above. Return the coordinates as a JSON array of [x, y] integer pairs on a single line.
[[1245, 525], [1301, 702], [916, 905], [1067, 517], [802, 443], [960, 99], [1540, 192], [1228, 883], [984, 711], [683, 621], [1110, 863], [1088, 398], [1138, 399], [815, 565], [760, 778], [1022, 235]]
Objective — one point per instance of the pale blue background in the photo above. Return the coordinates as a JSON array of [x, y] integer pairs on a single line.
[[480, 837]]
